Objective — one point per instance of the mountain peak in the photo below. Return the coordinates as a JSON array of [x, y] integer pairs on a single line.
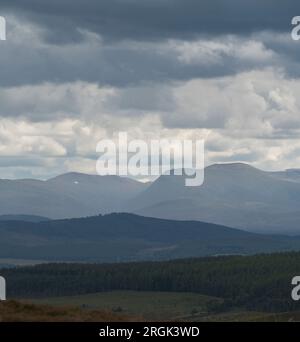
[[70, 175], [232, 166]]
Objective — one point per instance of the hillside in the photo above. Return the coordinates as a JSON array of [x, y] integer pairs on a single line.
[[125, 237], [14, 311], [23, 218]]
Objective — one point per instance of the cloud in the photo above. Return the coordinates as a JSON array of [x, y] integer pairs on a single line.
[[74, 72], [49, 101], [152, 20], [262, 103], [27, 59], [19, 138], [214, 52], [258, 103]]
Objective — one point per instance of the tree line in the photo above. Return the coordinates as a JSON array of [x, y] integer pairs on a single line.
[[260, 282]]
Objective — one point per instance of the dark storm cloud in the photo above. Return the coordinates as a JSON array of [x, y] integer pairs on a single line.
[[154, 19], [116, 65], [69, 54]]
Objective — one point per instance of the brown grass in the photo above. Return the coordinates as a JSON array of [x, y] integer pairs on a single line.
[[15, 311]]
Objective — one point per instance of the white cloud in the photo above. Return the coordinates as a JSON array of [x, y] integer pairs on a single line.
[[205, 52], [48, 101]]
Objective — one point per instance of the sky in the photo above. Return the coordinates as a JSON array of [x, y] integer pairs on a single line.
[[73, 72]]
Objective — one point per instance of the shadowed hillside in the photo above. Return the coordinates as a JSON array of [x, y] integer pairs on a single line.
[[127, 237]]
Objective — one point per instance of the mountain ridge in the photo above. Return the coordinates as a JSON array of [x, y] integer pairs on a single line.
[[233, 194]]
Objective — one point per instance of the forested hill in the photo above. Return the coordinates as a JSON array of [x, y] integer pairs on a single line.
[[128, 237]]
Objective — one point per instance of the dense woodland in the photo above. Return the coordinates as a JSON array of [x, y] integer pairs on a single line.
[[261, 282]]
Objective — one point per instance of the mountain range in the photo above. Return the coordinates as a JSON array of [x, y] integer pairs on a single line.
[[236, 195]]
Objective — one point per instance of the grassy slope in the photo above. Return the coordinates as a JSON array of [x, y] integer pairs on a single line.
[[132, 306], [166, 306], [13, 311], [149, 305]]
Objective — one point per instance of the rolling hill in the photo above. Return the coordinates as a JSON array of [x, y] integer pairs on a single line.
[[121, 237]]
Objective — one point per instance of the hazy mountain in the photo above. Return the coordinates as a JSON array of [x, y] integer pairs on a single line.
[[236, 195], [23, 218], [289, 174], [123, 237], [66, 196]]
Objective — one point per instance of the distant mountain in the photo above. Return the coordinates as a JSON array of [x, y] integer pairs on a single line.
[[121, 237], [66, 196], [289, 175], [235, 195], [24, 218]]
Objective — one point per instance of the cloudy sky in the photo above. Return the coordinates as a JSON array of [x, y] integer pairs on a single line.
[[77, 71]]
